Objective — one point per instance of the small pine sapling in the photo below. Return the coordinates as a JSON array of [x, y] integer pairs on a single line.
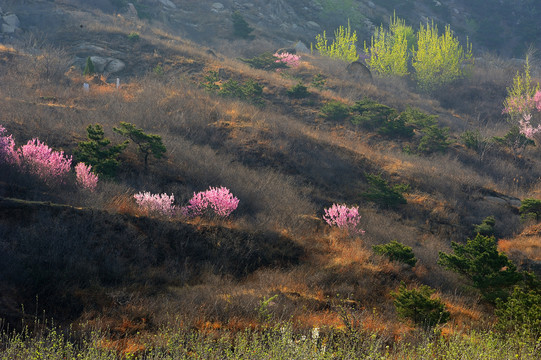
[[396, 251], [419, 306], [89, 67], [530, 209], [98, 152], [241, 28], [383, 194], [148, 144], [490, 271]]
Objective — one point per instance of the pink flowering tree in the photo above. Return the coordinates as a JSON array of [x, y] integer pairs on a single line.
[[84, 176], [214, 201], [8, 154], [290, 60], [530, 119], [156, 204], [343, 217], [40, 160]]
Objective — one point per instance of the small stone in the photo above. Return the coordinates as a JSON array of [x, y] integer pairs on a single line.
[[300, 48], [313, 25], [168, 3], [8, 29], [371, 4], [216, 7], [132, 11]]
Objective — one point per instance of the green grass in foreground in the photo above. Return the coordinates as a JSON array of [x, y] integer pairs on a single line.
[[275, 343]]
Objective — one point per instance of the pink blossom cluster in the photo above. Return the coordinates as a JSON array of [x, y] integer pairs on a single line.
[[523, 104], [156, 204], [85, 177], [290, 60], [218, 201], [8, 154], [39, 159], [344, 217], [518, 105], [525, 123]]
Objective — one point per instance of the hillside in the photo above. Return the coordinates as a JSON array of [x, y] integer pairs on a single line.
[[97, 258]]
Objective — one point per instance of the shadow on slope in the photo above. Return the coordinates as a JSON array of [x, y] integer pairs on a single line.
[[51, 252]]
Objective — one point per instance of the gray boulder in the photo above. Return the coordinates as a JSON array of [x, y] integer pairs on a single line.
[[313, 25], [107, 65], [217, 7], [8, 29], [359, 70], [12, 20], [300, 48], [168, 3], [132, 11]]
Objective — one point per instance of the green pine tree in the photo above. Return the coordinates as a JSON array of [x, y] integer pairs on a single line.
[[99, 152], [148, 144]]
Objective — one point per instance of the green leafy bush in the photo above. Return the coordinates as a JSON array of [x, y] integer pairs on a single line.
[[265, 61], [241, 28], [342, 47], [438, 60], [98, 152], [388, 53], [419, 306], [383, 194], [335, 111], [490, 271], [486, 228], [148, 144], [530, 209], [521, 313], [158, 70], [133, 36], [397, 252], [298, 91]]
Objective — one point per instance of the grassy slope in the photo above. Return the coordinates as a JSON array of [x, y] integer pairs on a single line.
[[283, 161]]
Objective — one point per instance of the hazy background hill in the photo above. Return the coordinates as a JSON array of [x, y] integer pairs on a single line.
[[507, 27]]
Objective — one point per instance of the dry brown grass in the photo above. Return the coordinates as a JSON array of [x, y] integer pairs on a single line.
[[528, 243]]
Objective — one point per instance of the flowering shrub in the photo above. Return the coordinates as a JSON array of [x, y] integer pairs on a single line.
[[344, 217], [156, 204], [39, 159], [526, 105], [215, 200], [85, 177], [518, 105], [8, 154], [290, 60]]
